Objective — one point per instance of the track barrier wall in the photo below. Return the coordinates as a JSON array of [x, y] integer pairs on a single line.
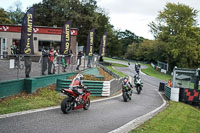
[[189, 95], [29, 85], [183, 94], [97, 88]]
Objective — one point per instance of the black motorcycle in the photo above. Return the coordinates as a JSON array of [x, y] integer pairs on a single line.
[[138, 83], [126, 90], [137, 68]]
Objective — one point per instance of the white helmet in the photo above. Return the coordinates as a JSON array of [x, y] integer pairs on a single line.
[[80, 76]]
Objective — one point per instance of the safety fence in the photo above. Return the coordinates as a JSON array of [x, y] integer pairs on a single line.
[[29, 85], [161, 70], [14, 65], [97, 88]]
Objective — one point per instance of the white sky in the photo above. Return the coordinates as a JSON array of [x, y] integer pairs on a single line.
[[134, 15]]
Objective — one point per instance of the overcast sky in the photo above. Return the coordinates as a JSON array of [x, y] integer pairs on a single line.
[[134, 15]]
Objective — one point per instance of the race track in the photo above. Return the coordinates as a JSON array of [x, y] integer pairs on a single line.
[[102, 117]]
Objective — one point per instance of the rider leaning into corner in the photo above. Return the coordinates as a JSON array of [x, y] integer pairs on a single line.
[[126, 80], [137, 67], [77, 86], [136, 78]]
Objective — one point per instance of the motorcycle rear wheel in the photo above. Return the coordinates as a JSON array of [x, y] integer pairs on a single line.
[[87, 104], [66, 105]]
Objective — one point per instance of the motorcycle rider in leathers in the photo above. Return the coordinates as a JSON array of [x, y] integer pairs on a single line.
[[129, 83], [78, 87]]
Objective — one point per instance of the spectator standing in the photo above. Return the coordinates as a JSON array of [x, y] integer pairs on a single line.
[[28, 63], [50, 60], [79, 60], [13, 49], [55, 61], [64, 64], [44, 60]]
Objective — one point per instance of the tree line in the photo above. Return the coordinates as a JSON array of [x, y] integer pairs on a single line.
[[177, 38], [85, 15], [176, 31]]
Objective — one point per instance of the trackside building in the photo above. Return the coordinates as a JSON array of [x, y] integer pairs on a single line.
[[43, 37]]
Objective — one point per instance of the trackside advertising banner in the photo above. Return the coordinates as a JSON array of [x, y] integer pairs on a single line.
[[103, 45], [26, 44], [66, 38], [90, 43]]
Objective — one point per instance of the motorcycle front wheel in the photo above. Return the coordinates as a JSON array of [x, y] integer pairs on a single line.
[[66, 105], [138, 90], [125, 97], [130, 94], [87, 104]]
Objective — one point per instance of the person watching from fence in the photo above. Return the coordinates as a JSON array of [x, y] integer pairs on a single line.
[[50, 60], [44, 60]]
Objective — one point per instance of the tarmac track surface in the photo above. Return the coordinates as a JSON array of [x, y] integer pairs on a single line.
[[102, 117]]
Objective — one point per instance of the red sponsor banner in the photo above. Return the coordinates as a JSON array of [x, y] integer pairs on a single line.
[[37, 30]]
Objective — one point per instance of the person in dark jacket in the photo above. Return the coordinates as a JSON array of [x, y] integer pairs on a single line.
[[27, 63], [45, 55], [79, 60]]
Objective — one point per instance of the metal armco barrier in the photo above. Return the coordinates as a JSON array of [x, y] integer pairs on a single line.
[[109, 71]]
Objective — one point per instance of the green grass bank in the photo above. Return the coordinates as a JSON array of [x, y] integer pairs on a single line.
[[176, 118]]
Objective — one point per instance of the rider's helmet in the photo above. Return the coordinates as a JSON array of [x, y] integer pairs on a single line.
[[136, 76], [80, 76], [125, 81]]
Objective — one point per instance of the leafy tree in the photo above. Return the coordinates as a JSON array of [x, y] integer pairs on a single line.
[[85, 15], [114, 46], [127, 37], [4, 19], [176, 27], [17, 15]]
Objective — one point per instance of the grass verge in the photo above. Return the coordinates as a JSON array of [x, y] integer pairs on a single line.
[[118, 65], [152, 72], [111, 59], [117, 72], [44, 97], [177, 118]]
